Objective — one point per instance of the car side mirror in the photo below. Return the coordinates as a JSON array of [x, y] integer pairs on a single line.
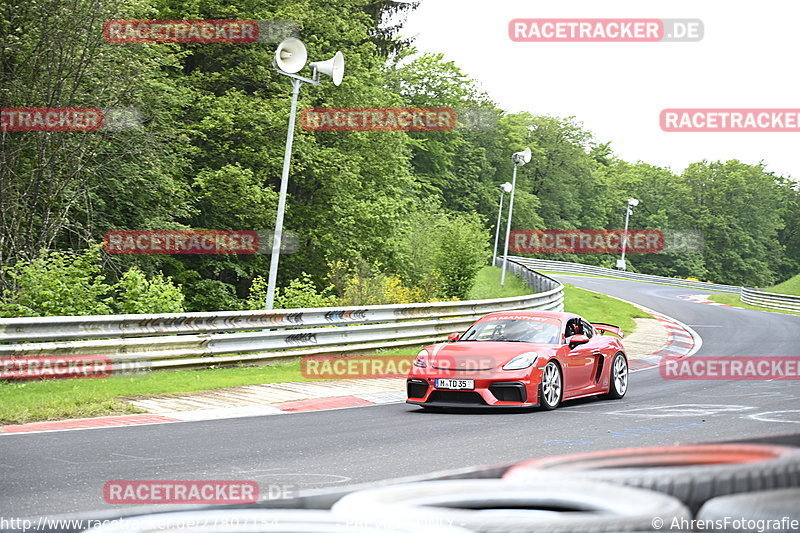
[[577, 340], [453, 337]]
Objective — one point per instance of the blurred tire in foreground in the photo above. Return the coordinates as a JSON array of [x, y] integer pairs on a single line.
[[776, 511], [541, 504], [693, 474], [256, 521]]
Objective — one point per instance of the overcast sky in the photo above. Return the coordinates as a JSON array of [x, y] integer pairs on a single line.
[[748, 58]]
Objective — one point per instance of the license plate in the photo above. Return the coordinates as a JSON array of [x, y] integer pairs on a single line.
[[455, 384]]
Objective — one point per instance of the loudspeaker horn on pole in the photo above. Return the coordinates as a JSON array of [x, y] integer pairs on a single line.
[[333, 67], [291, 55], [520, 158]]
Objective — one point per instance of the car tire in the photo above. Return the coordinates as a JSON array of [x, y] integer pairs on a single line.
[[617, 385], [693, 474], [551, 373], [734, 512], [547, 503]]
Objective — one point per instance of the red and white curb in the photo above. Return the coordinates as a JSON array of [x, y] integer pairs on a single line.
[[682, 341], [702, 299], [253, 399]]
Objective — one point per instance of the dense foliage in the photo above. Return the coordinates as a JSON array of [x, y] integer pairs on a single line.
[[381, 216]]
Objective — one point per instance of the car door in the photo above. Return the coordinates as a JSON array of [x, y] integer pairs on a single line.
[[580, 361], [598, 346]]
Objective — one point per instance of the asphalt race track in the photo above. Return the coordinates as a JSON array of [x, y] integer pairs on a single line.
[[64, 472]]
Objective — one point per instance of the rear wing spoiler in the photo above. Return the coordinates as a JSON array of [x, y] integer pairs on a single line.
[[608, 328]]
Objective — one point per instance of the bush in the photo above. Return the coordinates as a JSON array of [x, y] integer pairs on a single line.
[[441, 254], [365, 284], [461, 251], [57, 283], [211, 295], [68, 283], [301, 293], [137, 294]]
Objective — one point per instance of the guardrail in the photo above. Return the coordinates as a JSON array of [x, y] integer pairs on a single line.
[[787, 302], [190, 340], [577, 268]]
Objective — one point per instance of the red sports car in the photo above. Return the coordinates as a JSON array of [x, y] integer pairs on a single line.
[[521, 359]]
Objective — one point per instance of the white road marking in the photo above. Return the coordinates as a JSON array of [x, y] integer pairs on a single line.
[[778, 416], [680, 410]]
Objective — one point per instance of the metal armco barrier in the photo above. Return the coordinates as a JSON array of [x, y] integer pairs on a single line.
[[786, 302], [189, 340], [577, 268]]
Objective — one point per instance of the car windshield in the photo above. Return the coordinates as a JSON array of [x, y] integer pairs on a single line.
[[514, 331]]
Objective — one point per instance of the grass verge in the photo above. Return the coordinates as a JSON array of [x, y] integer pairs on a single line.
[[790, 286], [600, 308], [29, 401], [487, 285]]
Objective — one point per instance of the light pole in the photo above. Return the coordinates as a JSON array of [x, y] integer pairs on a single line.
[[519, 158], [290, 57], [632, 202], [506, 187]]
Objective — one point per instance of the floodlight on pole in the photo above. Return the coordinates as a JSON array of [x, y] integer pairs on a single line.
[[290, 58], [504, 188], [519, 159], [632, 202]]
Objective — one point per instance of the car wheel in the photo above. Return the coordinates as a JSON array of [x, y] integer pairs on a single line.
[[551, 389], [547, 503], [693, 473], [618, 378]]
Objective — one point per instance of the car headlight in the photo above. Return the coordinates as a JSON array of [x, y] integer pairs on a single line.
[[421, 359], [521, 361]]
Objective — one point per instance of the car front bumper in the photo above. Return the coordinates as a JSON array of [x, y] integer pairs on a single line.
[[513, 390]]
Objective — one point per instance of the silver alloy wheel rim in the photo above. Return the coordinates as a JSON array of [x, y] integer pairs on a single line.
[[621, 375], [551, 386]]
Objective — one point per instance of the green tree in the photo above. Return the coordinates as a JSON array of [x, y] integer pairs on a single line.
[[737, 206], [64, 189]]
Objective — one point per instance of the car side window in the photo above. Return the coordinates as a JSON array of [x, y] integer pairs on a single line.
[[588, 330]]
